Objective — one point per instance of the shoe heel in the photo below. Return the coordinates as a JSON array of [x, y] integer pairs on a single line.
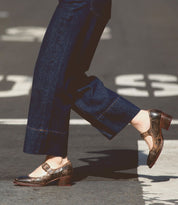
[[65, 181], [165, 121]]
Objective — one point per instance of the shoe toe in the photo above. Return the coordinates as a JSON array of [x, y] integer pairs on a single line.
[[152, 157], [22, 179]]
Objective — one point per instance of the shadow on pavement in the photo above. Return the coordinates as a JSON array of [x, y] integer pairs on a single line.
[[160, 178], [116, 164]]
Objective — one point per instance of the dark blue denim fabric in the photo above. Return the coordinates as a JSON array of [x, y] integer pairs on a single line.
[[60, 83]]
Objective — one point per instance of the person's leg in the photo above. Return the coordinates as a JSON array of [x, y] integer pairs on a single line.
[[102, 107], [105, 109], [48, 116], [73, 26], [47, 127]]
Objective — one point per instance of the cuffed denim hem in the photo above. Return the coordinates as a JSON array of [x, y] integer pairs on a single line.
[[45, 142], [116, 117]]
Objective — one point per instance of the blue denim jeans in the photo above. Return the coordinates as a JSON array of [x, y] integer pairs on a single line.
[[60, 82]]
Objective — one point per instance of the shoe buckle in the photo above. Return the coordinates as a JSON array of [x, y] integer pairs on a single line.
[[45, 166]]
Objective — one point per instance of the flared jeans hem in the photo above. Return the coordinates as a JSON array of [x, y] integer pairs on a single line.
[[45, 142], [110, 122]]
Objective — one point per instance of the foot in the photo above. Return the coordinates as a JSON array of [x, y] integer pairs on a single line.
[[62, 175], [150, 124], [54, 162], [142, 123]]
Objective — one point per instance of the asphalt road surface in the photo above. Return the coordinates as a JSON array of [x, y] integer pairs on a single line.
[[136, 57]]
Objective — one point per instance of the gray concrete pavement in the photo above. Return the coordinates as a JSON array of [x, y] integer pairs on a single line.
[[139, 45], [85, 192]]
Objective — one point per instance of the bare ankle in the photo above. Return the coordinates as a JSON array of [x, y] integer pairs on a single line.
[[141, 121], [57, 159]]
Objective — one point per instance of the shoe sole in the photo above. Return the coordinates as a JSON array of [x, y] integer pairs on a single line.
[[62, 181]]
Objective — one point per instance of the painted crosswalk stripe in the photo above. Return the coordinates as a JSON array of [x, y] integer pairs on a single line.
[[35, 34], [160, 183], [7, 121], [24, 122]]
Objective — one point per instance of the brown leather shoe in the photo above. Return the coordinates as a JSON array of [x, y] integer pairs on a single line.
[[158, 120], [62, 175]]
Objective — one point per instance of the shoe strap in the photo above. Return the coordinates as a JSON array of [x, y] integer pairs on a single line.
[[147, 133], [49, 170], [47, 167]]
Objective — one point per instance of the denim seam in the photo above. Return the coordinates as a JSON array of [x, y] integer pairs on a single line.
[[42, 130], [108, 108]]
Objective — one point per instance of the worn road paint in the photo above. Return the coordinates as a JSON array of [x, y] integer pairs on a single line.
[[24, 122], [31, 34], [8, 121], [160, 183]]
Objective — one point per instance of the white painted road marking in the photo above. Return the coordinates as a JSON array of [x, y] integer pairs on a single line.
[[160, 183], [7, 121], [22, 85], [164, 85], [31, 34], [24, 122]]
